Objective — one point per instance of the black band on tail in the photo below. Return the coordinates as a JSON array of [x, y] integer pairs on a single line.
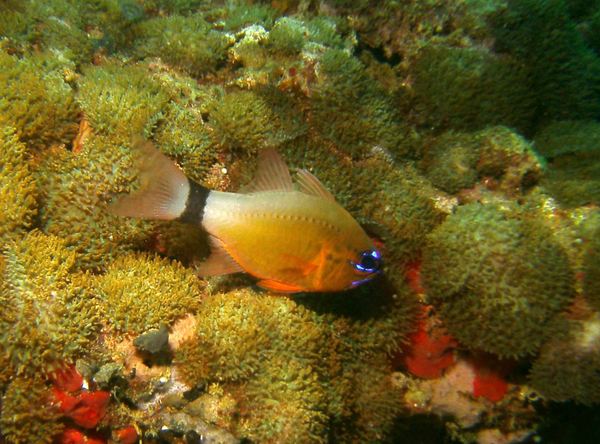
[[194, 207]]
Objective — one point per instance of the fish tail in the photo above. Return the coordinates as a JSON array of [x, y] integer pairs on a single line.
[[165, 192]]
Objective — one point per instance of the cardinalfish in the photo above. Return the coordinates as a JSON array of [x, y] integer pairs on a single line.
[[293, 237]]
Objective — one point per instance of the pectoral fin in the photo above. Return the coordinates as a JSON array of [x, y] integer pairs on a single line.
[[278, 287], [219, 262]]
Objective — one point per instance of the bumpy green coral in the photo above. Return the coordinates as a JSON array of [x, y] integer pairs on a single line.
[[470, 88], [36, 100], [76, 188], [565, 72], [351, 111], [140, 292], [288, 35], [457, 160], [48, 316], [296, 365], [187, 43], [121, 101], [28, 415], [242, 121], [591, 266], [573, 170], [497, 277], [17, 186], [568, 365]]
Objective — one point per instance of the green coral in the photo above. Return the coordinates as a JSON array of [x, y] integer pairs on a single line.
[[573, 170], [48, 316], [298, 366], [288, 35], [140, 292], [18, 190], [456, 160], [75, 191], [348, 109], [470, 88], [568, 364], [497, 277], [121, 101], [28, 414], [36, 100], [187, 43], [591, 265], [242, 121], [565, 72]]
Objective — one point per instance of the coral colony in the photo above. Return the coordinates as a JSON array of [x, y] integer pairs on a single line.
[[464, 137]]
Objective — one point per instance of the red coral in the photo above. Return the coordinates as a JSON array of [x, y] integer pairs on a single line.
[[74, 436], [413, 277], [90, 408], [86, 409], [489, 385], [489, 381], [428, 356], [126, 435], [67, 379]]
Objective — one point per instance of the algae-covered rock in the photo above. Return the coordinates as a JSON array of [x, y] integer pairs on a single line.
[[565, 72], [497, 277], [18, 190]]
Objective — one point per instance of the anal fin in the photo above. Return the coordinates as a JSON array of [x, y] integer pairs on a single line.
[[278, 287], [219, 262]]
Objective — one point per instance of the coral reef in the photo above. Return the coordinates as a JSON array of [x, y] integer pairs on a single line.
[[491, 266], [462, 135], [140, 292], [36, 99], [48, 315], [571, 149], [18, 190], [28, 414], [568, 364], [274, 360]]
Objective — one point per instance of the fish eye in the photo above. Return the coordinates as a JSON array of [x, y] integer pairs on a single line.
[[370, 262]]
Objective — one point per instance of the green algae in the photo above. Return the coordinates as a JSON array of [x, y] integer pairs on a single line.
[[497, 277]]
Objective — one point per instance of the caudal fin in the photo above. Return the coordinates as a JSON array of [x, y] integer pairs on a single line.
[[164, 189]]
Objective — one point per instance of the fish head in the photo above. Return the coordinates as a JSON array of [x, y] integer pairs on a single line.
[[352, 265]]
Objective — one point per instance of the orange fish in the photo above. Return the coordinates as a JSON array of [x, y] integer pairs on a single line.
[[294, 237]]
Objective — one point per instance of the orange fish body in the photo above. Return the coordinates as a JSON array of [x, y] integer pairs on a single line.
[[293, 238]]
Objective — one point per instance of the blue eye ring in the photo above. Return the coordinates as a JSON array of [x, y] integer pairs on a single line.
[[370, 262]]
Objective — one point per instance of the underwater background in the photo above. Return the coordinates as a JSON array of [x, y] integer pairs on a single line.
[[464, 135]]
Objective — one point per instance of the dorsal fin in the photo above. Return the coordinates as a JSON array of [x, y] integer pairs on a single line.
[[271, 173], [309, 184], [219, 262]]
